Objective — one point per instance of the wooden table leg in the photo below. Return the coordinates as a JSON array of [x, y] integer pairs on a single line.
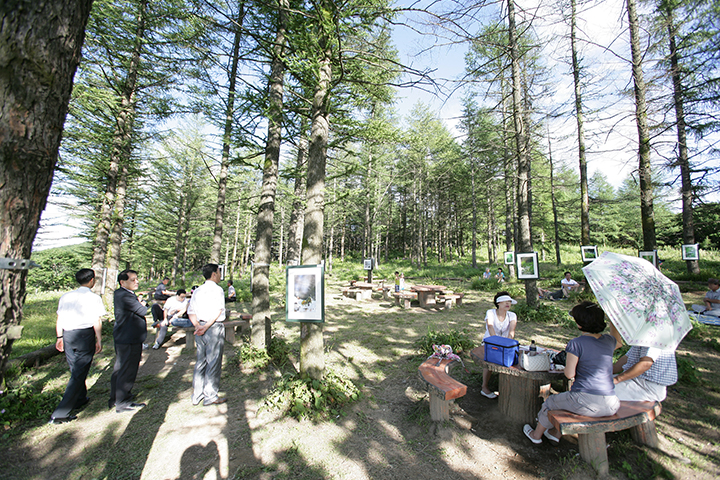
[[519, 398]]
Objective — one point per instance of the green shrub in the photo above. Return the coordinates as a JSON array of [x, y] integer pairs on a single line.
[[23, 403], [687, 372], [277, 353], [58, 267], [544, 313], [458, 340], [308, 398]]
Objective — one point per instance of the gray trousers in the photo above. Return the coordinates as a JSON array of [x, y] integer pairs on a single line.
[[206, 377], [79, 351], [578, 402]]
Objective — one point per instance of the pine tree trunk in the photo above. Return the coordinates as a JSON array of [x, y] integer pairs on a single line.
[[40, 44], [584, 195], [227, 139], [693, 266], [556, 226], [266, 209], [523, 175], [312, 360], [647, 216]]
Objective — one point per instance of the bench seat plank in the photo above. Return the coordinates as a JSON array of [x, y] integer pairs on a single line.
[[442, 387]]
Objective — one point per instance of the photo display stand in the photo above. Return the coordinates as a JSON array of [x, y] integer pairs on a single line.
[[305, 293], [527, 266]]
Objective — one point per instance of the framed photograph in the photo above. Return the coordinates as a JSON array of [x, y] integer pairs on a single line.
[[650, 256], [588, 252], [527, 265], [691, 252], [368, 264], [305, 294], [509, 258]]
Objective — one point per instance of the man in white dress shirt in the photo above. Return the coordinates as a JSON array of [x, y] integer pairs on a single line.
[[78, 329], [207, 313]]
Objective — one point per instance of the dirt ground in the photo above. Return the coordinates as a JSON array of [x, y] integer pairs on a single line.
[[386, 435]]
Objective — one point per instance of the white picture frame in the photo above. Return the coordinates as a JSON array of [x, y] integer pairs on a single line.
[[649, 255], [305, 294], [690, 252], [509, 258], [588, 253], [527, 266], [368, 264]]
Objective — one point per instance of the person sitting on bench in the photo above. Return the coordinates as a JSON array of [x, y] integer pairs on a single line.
[[175, 308], [161, 291], [589, 362], [231, 292], [644, 374]]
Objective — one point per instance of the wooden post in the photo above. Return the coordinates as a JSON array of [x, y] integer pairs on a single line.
[[645, 434], [593, 451], [439, 407]]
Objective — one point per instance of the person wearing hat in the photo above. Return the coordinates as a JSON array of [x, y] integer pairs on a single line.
[[499, 321]]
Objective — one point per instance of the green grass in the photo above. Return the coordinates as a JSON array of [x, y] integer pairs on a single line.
[[39, 317]]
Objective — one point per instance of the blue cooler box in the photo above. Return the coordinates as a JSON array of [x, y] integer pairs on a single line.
[[501, 350]]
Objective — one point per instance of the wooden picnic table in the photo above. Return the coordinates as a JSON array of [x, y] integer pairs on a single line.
[[426, 294], [365, 289], [519, 394]]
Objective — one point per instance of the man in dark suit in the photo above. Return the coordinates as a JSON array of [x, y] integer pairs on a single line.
[[129, 333]]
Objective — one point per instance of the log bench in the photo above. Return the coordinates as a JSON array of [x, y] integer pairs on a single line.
[[405, 297], [639, 417], [443, 389]]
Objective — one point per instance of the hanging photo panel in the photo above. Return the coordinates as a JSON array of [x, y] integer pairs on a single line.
[[509, 258], [305, 294], [588, 252], [691, 252], [650, 256], [527, 266]]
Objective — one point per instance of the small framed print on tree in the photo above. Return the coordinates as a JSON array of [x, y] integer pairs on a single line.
[[527, 265], [305, 294], [588, 253], [650, 256], [509, 258], [691, 252]]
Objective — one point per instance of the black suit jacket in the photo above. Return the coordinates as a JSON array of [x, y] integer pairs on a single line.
[[130, 326]]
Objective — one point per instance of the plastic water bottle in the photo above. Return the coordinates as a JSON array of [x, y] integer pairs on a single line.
[[533, 347]]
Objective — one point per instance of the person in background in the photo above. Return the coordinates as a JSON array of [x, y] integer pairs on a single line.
[[499, 321], [129, 333], [500, 275], [712, 297], [232, 295], [78, 328], [589, 362], [175, 308], [402, 281], [487, 274], [397, 282], [568, 285], [161, 291]]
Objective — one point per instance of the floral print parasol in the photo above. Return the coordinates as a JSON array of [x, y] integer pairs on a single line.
[[644, 305]]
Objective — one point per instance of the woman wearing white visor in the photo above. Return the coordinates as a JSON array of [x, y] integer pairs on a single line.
[[499, 321]]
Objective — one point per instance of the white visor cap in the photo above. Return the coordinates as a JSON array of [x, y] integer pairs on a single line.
[[506, 298]]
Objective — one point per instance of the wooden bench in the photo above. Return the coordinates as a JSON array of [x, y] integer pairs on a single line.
[[406, 298], [230, 325], [443, 389], [639, 417], [448, 299]]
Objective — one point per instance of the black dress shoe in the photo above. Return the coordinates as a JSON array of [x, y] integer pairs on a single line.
[[217, 401], [81, 403], [59, 420], [132, 396], [130, 408]]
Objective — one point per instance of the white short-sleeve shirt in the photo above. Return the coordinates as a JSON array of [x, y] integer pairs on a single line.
[[80, 309]]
